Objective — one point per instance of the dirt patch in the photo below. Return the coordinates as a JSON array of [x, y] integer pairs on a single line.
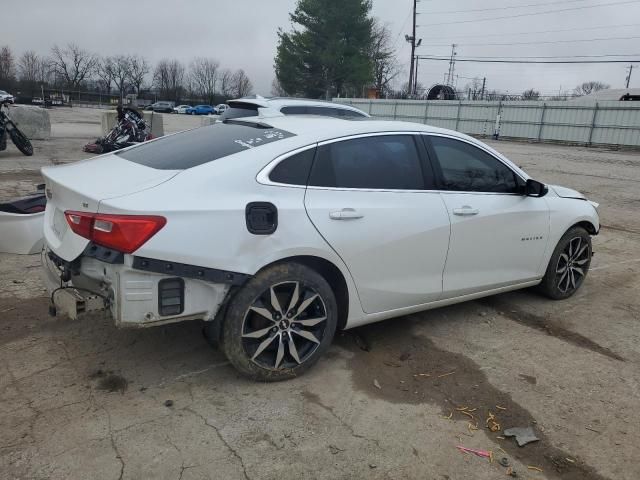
[[403, 368], [512, 312], [109, 381], [20, 317], [22, 175]]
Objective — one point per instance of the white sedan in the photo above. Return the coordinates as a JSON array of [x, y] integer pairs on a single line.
[[181, 108], [279, 230]]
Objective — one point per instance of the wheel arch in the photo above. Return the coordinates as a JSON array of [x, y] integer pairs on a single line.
[[331, 273], [587, 225]]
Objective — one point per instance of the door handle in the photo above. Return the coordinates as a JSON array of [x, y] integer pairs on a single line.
[[465, 211], [345, 214]]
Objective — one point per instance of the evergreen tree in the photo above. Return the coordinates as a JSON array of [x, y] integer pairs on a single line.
[[328, 52]]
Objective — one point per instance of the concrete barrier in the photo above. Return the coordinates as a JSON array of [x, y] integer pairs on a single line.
[[32, 121], [154, 120], [209, 120]]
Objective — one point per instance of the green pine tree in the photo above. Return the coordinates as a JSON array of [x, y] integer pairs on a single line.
[[328, 52]]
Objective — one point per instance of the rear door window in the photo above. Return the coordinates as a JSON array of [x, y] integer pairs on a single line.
[[201, 145], [387, 162]]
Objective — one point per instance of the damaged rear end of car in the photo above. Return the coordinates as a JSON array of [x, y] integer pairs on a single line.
[[112, 225]]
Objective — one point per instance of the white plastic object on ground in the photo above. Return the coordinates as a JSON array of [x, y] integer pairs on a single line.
[[21, 233]]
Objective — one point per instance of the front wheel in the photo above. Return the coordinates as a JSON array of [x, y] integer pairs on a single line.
[[20, 141], [568, 266], [280, 323]]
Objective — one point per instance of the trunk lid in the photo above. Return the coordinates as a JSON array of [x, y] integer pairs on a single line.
[[82, 186]]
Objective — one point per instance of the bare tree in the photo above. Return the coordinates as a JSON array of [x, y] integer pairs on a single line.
[[474, 88], [7, 66], [383, 58], [241, 86], [530, 94], [104, 71], [138, 70], [204, 77], [121, 74], [73, 64], [276, 89], [590, 87], [28, 67], [168, 77], [226, 83]]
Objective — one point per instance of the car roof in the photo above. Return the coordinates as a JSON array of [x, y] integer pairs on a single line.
[[309, 129], [321, 128], [279, 102]]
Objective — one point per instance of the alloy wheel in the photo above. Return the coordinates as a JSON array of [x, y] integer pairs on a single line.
[[572, 265], [284, 326]]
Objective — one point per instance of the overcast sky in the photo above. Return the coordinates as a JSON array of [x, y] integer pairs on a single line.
[[242, 34]]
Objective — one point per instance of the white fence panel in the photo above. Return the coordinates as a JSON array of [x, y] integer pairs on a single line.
[[602, 123]]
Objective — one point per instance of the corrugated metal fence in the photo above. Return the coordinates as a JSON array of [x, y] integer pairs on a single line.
[[602, 123]]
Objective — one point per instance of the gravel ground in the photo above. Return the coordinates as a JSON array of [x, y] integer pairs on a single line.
[[85, 400]]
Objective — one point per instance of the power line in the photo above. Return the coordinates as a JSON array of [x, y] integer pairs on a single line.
[[503, 8], [502, 60], [537, 31], [475, 20], [555, 56], [534, 43]]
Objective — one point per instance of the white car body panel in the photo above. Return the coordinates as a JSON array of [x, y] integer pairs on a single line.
[[395, 252], [21, 234], [504, 242], [393, 259]]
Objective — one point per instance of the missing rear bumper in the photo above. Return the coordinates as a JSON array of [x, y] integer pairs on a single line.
[[70, 302]]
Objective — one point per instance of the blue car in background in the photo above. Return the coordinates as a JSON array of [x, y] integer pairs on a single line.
[[201, 110]]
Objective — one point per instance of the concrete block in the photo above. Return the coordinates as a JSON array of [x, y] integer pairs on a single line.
[[209, 120], [154, 120], [32, 121]]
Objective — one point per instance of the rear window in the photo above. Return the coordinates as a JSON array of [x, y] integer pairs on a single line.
[[201, 145]]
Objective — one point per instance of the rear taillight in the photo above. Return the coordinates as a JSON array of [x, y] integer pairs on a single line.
[[124, 233]]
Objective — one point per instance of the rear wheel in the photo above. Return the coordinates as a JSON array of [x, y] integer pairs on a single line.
[[20, 141], [568, 266], [279, 323]]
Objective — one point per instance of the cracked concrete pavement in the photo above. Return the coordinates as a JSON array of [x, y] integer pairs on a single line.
[[86, 400]]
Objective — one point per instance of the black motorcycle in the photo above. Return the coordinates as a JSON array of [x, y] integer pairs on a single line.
[[130, 129], [17, 137]]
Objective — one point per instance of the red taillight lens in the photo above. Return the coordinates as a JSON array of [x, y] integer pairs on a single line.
[[80, 222], [124, 233]]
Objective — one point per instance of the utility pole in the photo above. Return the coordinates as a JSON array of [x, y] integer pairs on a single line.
[[484, 82], [415, 77], [452, 65], [629, 76], [414, 43]]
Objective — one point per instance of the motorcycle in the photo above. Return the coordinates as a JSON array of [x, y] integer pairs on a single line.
[[18, 138], [130, 129]]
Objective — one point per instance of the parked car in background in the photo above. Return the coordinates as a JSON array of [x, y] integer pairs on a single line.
[[6, 97], [181, 108], [37, 100], [220, 109], [201, 110], [256, 105], [164, 107], [279, 230]]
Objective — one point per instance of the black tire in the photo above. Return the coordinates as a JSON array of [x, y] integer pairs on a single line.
[[21, 141], [283, 341], [568, 266]]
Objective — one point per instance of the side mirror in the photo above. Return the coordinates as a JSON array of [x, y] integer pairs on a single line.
[[534, 188]]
